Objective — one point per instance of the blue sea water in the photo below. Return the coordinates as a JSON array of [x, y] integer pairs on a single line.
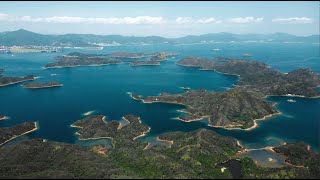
[[104, 90]]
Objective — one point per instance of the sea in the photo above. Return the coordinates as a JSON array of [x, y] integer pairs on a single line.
[[103, 90]]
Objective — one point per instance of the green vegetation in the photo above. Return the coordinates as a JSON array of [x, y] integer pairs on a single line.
[[233, 108], [10, 133], [259, 78]]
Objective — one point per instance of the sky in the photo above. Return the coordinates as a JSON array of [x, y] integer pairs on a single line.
[[161, 18]]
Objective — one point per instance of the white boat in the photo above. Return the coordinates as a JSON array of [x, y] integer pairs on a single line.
[[291, 100], [216, 49]]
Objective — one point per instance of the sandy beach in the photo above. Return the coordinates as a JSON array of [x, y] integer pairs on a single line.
[[143, 134], [165, 141]]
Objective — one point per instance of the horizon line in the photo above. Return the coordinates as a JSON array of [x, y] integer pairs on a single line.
[[161, 36]]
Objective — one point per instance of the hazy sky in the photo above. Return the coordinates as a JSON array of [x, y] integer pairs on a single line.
[[168, 19]]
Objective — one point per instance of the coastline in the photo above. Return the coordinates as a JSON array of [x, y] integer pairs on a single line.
[[165, 141], [4, 118], [14, 137], [12, 83], [43, 87], [293, 95], [85, 139], [143, 134], [121, 125], [144, 65], [147, 146], [227, 128], [266, 117], [56, 67]]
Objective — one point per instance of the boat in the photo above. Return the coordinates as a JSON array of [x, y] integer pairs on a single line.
[[246, 55], [291, 100]]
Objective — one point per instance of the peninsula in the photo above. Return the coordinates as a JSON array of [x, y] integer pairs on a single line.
[[9, 133], [38, 85], [95, 127], [259, 77], [300, 155], [232, 109]]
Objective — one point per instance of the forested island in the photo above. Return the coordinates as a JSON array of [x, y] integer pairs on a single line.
[[38, 85], [79, 59], [7, 80]]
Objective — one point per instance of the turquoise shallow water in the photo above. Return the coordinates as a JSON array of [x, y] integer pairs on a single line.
[[104, 90]]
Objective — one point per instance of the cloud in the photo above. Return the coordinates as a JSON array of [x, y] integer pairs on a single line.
[[3, 16], [293, 20], [189, 20], [184, 20], [244, 20], [82, 20], [208, 21]]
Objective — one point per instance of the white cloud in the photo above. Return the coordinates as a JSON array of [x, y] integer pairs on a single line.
[[76, 20], [243, 20], [184, 20], [3, 16], [189, 20], [208, 21], [293, 20]]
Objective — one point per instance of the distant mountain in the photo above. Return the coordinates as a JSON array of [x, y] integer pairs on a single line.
[[23, 37]]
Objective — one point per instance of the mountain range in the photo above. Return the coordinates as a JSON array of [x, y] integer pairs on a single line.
[[23, 38]]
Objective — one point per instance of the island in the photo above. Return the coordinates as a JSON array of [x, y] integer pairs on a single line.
[[259, 77], [232, 109], [157, 56], [38, 85], [6, 81], [155, 59], [76, 59], [80, 59], [9, 133], [127, 55], [144, 63]]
